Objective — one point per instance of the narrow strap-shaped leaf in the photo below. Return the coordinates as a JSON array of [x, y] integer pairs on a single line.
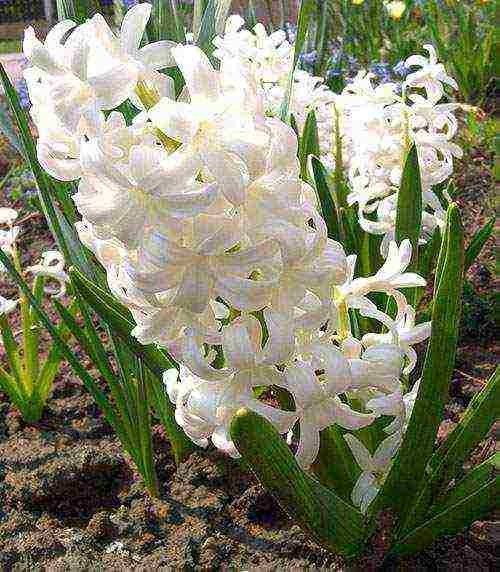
[[335, 524], [52, 363], [326, 200], [471, 430], [11, 350], [7, 128], [145, 435], [306, 9], [119, 320], [335, 466], [309, 143], [77, 10], [474, 479], [477, 243], [428, 254], [408, 474], [409, 208], [473, 499], [165, 22], [212, 23], [90, 343], [198, 11], [14, 391], [478, 419]]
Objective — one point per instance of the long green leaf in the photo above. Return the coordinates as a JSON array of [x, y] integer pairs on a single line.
[[7, 128], [119, 320], [212, 23], [326, 200], [306, 10], [444, 464], [473, 499], [335, 524], [408, 474], [335, 466], [477, 243], [478, 419], [165, 22], [309, 143], [409, 208]]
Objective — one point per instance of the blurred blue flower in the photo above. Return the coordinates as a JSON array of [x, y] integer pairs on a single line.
[[22, 91], [309, 58], [400, 69]]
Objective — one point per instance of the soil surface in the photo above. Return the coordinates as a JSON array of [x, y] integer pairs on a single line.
[[70, 500]]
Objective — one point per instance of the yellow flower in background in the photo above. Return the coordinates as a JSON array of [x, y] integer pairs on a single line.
[[357, 2], [395, 9]]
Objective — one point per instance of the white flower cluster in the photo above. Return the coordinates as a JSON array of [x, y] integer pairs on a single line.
[[375, 124], [210, 238]]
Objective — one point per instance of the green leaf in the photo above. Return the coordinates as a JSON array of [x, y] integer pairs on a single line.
[[335, 524], [335, 466], [76, 10], [307, 8], [447, 461], [119, 319], [408, 474], [11, 349], [198, 11], [474, 498], [165, 22], [428, 254], [309, 143], [409, 208], [144, 429], [326, 200], [477, 243], [212, 23]]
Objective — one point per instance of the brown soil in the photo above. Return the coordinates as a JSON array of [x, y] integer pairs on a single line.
[[70, 500]]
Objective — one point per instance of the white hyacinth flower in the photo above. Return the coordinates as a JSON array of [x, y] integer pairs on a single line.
[[52, 266], [374, 468]]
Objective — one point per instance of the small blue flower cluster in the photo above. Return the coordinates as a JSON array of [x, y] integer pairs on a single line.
[[22, 91]]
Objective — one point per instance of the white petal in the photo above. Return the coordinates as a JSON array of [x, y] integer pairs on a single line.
[[239, 343], [7, 215], [242, 293], [174, 118], [114, 86], [360, 452], [133, 26], [346, 417], [195, 289], [201, 79], [229, 171], [157, 55], [308, 447]]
